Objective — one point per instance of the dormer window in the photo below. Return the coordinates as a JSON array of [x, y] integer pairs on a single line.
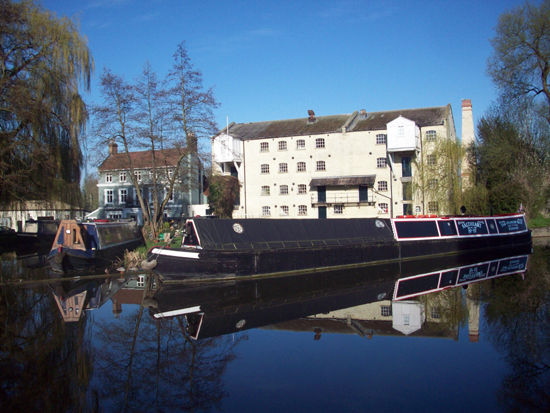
[[123, 177], [108, 177]]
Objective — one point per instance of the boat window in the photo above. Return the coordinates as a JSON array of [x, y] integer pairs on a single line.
[[447, 228], [472, 227], [416, 229]]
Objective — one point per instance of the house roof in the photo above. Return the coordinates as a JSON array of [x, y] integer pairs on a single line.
[[142, 159], [334, 123]]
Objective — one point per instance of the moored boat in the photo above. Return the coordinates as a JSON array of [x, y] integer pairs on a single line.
[[37, 233], [81, 246], [231, 248]]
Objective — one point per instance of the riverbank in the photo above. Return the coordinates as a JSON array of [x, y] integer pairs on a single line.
[[540, 232]]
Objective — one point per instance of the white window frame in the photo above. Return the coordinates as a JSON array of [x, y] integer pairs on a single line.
[[302, 210], [302, 189], [122, 196], [283, 190], [109, 193], [264, 169], [381, 139], [283, 168], [282, 146], [264, 146], [300, 144], [284, 210], [431, 136], [383, 208], [381, 163], [122, 176], [320, 143], [338, 209], [266, 190], [382, 186], [321, 166], [108, 177], [137, 174], [301, 167], [266, 211]]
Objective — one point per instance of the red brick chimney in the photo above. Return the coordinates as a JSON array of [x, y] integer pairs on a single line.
[[113, 148]]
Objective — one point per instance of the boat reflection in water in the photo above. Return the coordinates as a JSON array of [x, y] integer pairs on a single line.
[[363, 300]]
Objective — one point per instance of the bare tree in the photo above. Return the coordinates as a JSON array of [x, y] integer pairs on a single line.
[[164, 118]]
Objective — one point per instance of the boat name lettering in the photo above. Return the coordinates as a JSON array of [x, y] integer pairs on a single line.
[[471, 226], [473, 274]]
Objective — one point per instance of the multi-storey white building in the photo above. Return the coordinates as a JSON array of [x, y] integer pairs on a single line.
[[352, 165]]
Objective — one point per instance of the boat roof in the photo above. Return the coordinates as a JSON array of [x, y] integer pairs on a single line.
[[267, 233]]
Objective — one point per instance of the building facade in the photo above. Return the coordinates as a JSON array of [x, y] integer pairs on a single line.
[[118, 196], [339, 166]]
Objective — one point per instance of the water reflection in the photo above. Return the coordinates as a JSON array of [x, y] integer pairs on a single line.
[[175, 339]]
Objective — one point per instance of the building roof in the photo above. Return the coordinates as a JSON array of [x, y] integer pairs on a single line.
[[334, 123], [142, 159]]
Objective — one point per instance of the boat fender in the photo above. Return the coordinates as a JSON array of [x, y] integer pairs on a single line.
[[59, 255], [146, 265]]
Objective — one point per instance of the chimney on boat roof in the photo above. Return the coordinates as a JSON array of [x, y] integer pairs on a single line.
[[113, 148], [311, 116]]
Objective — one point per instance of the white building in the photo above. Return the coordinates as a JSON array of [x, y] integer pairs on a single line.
[[338, 166]]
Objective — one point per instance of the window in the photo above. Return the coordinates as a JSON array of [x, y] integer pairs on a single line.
[[338, 209], [300, 144], [302, 189], [284, 210], [266, 211], [301, 167], [381, 162], [265, 190], [430, 159], [109, 196], [137, 174], [141, 281], [122, 196], [407, 191], [435, 312], [406, 319], [406, 166], [320, 143], [108, 177], [432, 184], [382, 185], [283, 190], [433, 207], [302, 209], [321, 166], [400, 131], [282, 145], [123, 177], [265, 168], [150, 175], [381, 139], [383, 208], [283, 168], [385, 310], [431, 136], [170, 174], [264, 147]]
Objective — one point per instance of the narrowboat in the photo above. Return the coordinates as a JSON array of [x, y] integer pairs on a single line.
[[226, 248], [38, 234], [85, 245]]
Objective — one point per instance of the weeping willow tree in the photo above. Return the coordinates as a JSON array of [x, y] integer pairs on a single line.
[[43, 62], [436, 184]]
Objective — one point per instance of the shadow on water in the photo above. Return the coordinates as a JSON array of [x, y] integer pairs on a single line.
[[60, 353]]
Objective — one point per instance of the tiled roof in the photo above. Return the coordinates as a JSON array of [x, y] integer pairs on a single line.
[[422, 117], [334, 123], [142, 159]]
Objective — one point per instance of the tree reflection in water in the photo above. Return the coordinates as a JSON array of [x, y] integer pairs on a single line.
[[147, 364], [518, 319], [45, 364]]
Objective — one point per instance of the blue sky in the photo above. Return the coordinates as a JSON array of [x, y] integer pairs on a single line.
[[275, 60]]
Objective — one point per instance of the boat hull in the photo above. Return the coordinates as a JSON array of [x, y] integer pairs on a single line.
[[175, 263]]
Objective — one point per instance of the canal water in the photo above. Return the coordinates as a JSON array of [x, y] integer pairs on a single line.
[[333, 341]]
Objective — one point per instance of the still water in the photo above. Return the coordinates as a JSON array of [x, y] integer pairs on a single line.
[[325, 342]]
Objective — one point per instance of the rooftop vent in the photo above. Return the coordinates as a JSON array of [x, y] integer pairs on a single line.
[[311, 116]]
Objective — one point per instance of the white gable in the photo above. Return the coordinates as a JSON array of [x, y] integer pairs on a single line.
[[403, 135]]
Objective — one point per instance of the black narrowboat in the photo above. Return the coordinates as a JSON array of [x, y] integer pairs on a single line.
[[231, 248]]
